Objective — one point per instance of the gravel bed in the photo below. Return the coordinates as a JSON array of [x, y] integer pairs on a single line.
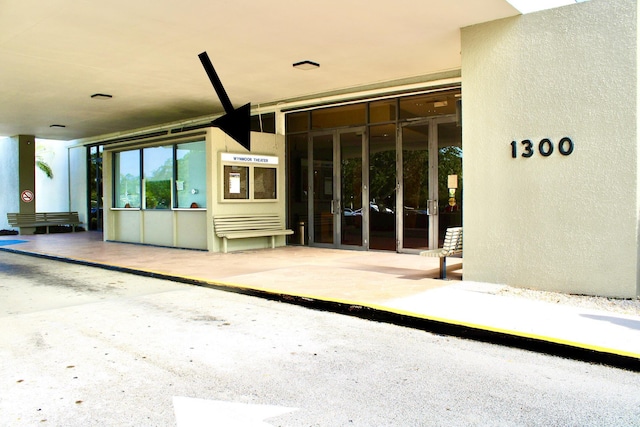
[[615, 305]]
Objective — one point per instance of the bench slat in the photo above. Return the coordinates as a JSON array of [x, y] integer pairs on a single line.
[[452, 246], [247, 226], [43, 219], [255, 233]]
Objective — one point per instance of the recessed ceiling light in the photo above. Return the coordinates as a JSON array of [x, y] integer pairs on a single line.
[[101, 96], [57, 126], [306, 65]]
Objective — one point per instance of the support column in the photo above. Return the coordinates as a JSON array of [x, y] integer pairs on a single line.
[[26, 176]]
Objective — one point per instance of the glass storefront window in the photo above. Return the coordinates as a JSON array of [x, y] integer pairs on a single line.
[[158, 174], [382, 111], [265, 123], [127, 176], [345, 115], [414, 161], [191, 175], [298, 122], [433, 104]]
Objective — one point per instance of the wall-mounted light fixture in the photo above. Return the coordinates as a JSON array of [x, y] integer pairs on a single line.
[[452, 183], [306, 65]]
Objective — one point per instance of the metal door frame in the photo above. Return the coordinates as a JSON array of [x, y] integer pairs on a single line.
[[337, 189], [433, 202]]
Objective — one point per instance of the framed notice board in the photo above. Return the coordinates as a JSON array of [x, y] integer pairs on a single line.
[[248, 178]]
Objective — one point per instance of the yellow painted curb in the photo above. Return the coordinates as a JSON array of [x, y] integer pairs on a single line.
[[376, 307]]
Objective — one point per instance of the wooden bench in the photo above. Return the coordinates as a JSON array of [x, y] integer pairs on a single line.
[[44, 219], [452, 246], [247, 226]]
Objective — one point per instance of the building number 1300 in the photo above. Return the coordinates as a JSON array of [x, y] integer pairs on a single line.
[[545, 147]]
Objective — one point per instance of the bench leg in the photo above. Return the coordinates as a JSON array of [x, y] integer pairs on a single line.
[[443, 268], [224, 245], [273, 242]]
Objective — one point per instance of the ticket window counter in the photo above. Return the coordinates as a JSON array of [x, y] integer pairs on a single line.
[[166, 194]]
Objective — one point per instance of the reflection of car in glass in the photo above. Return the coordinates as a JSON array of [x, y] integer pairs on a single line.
[[351, 212], [380, 209], [415, 217], [409, 210]]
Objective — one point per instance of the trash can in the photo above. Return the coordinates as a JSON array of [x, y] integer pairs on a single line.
[[301, 227]]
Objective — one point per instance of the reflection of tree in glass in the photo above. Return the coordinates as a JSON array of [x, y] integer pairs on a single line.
[[43, 152], [415, 170], [184, 175], [352, 183], [158, 186], [158, 194], [382, 178], [129, 190], [94, 169]]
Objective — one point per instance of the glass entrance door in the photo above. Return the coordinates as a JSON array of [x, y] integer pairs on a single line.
[[321, 181], [94, 185], [383, 186], [416, 197], [386, 191], [449, 177], [336, 180], [351, 188], [431, 177]]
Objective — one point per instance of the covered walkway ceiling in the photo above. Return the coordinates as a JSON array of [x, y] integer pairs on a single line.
[[55, 54]]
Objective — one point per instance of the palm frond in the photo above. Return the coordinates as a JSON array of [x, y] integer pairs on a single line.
[[44, 167]]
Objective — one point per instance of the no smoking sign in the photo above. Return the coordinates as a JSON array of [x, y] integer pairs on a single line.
[[27, 196]]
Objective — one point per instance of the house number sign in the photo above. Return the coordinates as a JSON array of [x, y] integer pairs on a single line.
[[545, 147]]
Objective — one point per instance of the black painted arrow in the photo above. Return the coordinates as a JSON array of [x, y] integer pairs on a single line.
[[237, 121]]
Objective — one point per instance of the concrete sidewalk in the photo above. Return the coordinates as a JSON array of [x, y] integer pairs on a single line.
[[382, 284]]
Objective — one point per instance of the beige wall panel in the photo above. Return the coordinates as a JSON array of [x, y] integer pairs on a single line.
[[191, 229], [157, 227], [563, 223], [126, 226], [263, 144]]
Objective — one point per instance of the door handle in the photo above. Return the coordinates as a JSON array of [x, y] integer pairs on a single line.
[[335, 207], [432, 207]]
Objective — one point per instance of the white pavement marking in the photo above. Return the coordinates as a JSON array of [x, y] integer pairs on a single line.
[[193, 412]]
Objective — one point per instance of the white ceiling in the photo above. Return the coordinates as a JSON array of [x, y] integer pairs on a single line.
[[54, 54]]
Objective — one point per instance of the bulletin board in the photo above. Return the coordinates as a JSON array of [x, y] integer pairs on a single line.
[[248, 178]]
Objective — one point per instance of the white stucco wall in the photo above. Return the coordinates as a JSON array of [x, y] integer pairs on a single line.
[[637, 54], [564, 223], [77, 183], [52, 194], [10, 194]]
